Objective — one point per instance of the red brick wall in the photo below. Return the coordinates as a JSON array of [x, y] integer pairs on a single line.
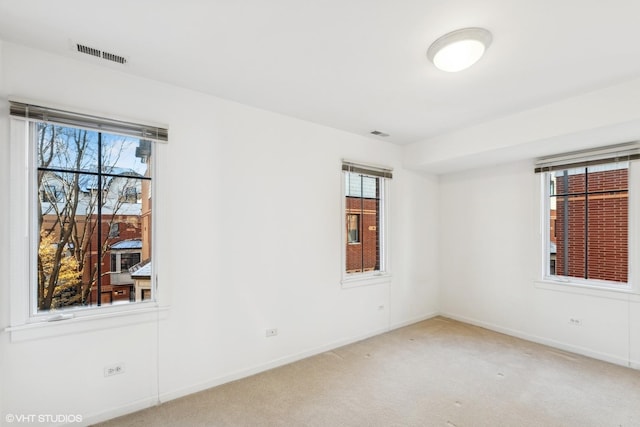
[[363, 256], [607, 241]]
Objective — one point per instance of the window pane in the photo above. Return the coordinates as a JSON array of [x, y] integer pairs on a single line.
[[66, 148], [122, 155], [63, 250], [608, 225]]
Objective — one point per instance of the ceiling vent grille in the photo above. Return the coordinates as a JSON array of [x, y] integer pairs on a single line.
[[115, 58], [88, 50], [379, 133], [100, 54]]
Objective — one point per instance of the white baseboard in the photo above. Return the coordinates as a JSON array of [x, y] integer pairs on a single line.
[[546, 341], [413, 321], [214, 382], [243, 373], [117, 412]]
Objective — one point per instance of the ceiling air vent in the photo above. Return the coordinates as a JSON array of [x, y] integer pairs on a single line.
[[378, 133], [115, 58], [89, 50], [100, 54]]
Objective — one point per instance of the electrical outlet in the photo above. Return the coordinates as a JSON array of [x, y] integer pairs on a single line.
[[115, 369], [271, 332], [575, 322]]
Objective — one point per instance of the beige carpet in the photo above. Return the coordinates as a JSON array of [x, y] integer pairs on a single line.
[[435, 373]]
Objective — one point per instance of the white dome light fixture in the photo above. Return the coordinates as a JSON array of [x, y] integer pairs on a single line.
[[459, 49]]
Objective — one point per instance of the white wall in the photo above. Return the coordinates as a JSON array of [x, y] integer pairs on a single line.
[[249, 226], [4, 227], [490, 253]]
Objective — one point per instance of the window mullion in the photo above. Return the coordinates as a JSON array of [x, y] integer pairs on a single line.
[[586, 223], [99, 219], [362, 240], [565, 229]]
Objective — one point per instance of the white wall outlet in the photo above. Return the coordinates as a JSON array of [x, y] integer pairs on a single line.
[[271, 332], [575, 322], [114, 369]]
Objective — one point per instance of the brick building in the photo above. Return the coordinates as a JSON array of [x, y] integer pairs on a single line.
[[591, 205]]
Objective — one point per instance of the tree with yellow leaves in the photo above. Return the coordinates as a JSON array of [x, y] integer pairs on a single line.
[[66, 270]]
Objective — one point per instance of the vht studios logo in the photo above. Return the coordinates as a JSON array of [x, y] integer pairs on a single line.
[[43, 418]]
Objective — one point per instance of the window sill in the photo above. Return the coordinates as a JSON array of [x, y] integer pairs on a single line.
[[626, 292], [50, 327], [365, 279]]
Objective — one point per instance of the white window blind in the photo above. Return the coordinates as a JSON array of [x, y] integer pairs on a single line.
[[584, 158], [370, 170], [101, 124]]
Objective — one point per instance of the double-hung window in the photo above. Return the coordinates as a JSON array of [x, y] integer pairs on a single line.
[[586, 216], [364, 221], [89, 225]]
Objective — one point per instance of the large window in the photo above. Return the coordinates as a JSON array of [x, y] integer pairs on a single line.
[[364, 220], [90, 224], [587, 220]]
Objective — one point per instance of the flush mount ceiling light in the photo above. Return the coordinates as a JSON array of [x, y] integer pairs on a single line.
[[459, 49]]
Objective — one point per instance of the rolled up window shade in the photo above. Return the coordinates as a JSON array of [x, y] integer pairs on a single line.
[[584, 158], [377, 171], [101, 124]]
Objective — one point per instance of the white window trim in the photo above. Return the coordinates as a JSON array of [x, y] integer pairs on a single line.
[[24, 322], [552, 282], [368, 278]]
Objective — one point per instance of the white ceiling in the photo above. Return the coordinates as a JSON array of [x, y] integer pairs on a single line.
[[356, 65]]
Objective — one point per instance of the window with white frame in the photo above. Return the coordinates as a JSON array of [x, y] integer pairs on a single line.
[[364, 219], [88, 224], [586, 216]]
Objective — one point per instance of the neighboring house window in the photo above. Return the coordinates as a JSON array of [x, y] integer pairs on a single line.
[[587, 220], [86, 187], [128, 260], [122, 262], [130, 194], [365, 190], [353, 228], [114, 230]]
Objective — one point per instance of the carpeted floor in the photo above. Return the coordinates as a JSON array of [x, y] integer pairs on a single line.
[[438, 372]]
